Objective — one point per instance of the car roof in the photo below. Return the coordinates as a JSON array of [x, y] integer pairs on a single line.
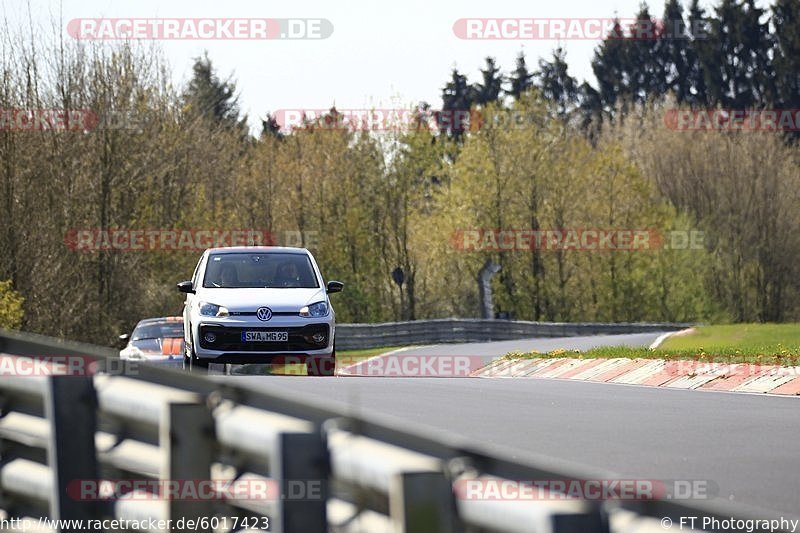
[[259, 249], [160, 320]]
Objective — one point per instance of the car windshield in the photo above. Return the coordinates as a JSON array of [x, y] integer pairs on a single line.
[[157, 331], [260, 270]]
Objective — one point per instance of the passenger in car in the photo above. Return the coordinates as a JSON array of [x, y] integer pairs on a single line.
[[288, 276]]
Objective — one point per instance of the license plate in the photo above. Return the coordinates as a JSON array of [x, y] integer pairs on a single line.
[[265, 336]]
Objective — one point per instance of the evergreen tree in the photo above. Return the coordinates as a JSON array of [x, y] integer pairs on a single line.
[[555, 83], [212, 98], [492, 85], [610, 68], [698, 56], [521, 80], [456, 101], [757, 48], [643, 70], [739, 70], [786, 38], [591, 110], [673, 53], [270, 126]]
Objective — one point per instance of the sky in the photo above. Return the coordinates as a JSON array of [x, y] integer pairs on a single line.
[[379, 55]]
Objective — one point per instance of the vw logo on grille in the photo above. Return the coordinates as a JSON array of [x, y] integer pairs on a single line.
[[264, 313]]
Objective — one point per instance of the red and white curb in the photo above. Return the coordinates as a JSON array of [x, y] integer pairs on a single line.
[[733, 377]]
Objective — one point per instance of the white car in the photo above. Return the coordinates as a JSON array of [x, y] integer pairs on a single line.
[[259, 304]]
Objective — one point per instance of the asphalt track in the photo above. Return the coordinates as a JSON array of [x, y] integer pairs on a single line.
[[745, 446]]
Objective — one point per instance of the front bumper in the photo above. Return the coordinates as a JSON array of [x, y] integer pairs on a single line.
[[228, 346], [152, 358]]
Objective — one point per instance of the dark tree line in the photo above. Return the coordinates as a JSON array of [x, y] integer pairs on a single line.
[[735, 56]]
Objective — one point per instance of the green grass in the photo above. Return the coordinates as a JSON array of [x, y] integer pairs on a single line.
[[738, 343], [750, 338]]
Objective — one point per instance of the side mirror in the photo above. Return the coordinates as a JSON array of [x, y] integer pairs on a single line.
[[186, 286], [335, 286], [123, 340]]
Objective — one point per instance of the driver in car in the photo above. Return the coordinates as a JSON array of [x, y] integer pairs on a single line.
[[288, 276]]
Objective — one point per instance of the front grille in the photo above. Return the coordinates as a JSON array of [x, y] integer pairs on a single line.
[[274, 313], [230, 339]]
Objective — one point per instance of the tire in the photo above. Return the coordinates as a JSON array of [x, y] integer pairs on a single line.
[[191, 361], [322, 366]]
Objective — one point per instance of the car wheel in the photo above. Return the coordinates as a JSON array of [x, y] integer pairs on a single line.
[[194, 363], [322, 366], [187, 361], [187, 356]]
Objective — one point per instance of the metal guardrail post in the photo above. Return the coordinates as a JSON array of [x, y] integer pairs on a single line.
[[70, 405], [301, 470], [422, 502], [186, 436], [490, 268]]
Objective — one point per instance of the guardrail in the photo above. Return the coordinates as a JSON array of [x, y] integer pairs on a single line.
[[449, 330], [86, 436]]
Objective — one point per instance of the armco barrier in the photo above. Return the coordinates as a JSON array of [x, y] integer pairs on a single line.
[[103, 420], [449, 330]]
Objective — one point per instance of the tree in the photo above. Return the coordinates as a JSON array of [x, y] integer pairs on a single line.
[[698, 56], [739, 73], [521, 80], [555, 84], [742, 192], [210, 97], [673, 53], [786, 39], [457, 99], [610, 67], [591, 110], [644, 73], [270, 126], [492, 85], [408, 190]]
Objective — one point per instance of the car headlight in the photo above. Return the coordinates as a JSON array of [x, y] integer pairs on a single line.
[[207, 309], [315, 310]]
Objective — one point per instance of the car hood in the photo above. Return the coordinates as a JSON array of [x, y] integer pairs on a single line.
[[279, 300], [161, 348]]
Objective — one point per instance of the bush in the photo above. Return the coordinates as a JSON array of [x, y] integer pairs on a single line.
[[10, 306]]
